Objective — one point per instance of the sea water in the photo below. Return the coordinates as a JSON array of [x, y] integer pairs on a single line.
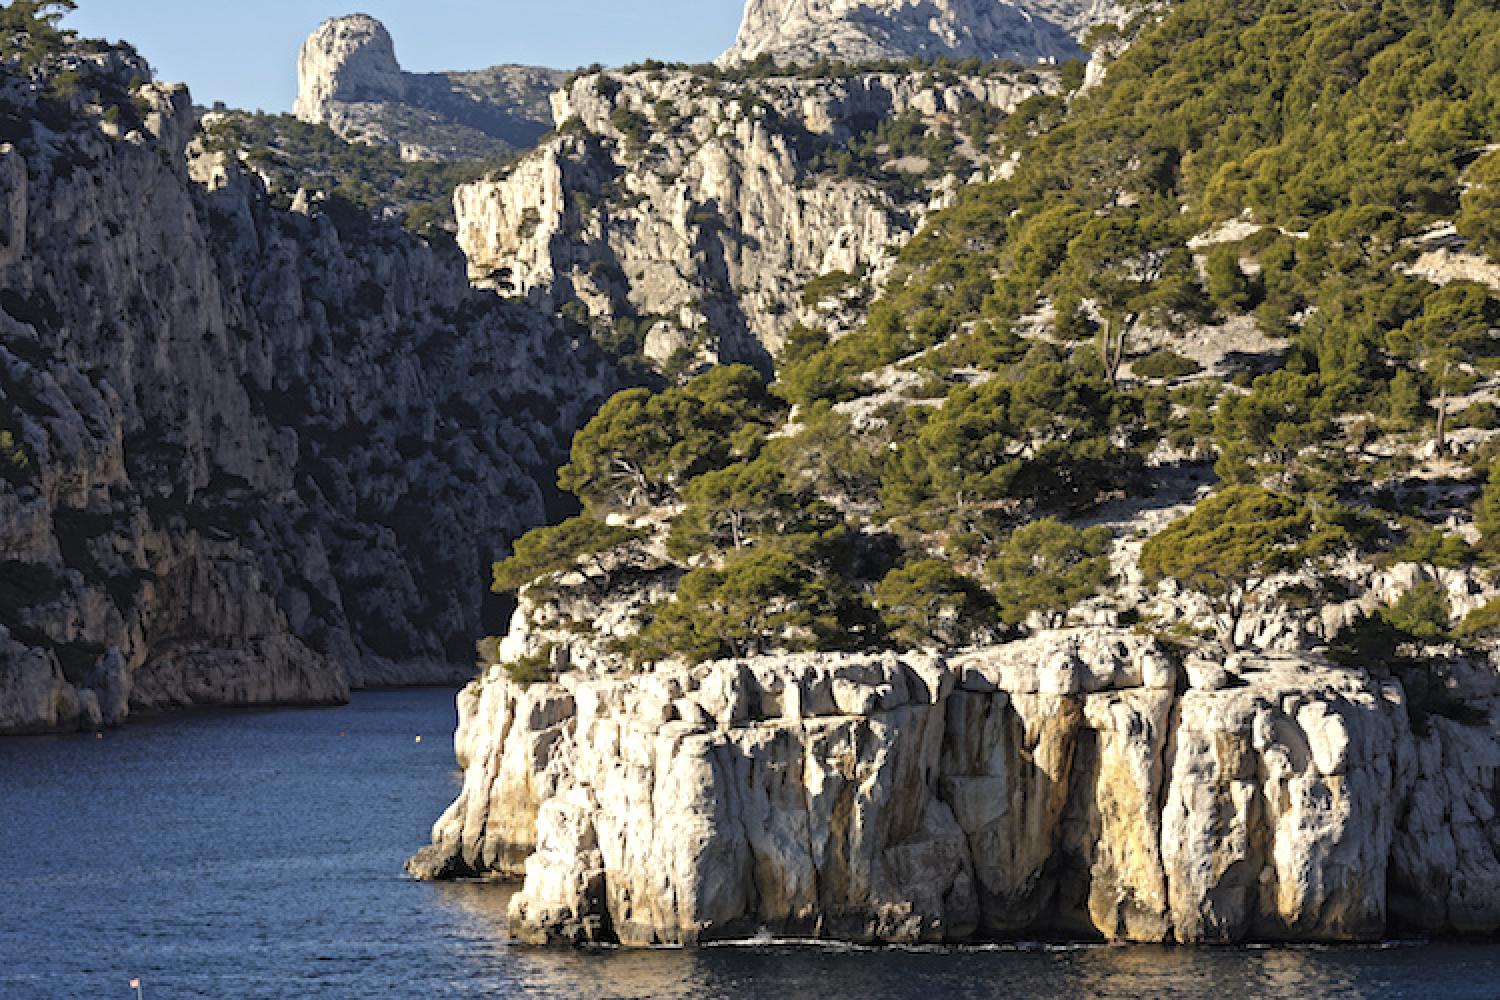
[[258, 855]]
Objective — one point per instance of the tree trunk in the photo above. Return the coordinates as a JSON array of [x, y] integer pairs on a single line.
[[1107, 351], [1228, 625], [1442, 419], [640, 485], [1112, 348]]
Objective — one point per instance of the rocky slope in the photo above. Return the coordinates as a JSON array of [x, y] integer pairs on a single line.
[[247, 453], [349, 79], [1168, 698], [805, 31], [1079, 783], [687, 214]]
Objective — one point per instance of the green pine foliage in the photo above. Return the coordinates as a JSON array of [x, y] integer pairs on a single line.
[[1435, 547], [1480, 625], [1393, 639], [1423, 613], [928, 152], [1331, 135], [928, 603], [367, 178], [561, 547], [644, 447], [1043, 436], [1232, 545], [832, 457], [35, 24], [757, 601], [733, 508], [1456, 324], [1265, 432], [830, 286], [1049, 567], [1351, 124], [1487, 512], [634, 126], [1479, 214], [1164, 364], [1228, 287], [529, 670], [16, 466]]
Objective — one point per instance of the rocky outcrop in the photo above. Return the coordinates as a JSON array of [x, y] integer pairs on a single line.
[[349, 79], [347, 59], [578, 618], [1076, 784], [686, 214], [1445, 257], [805, 31], [245, 453]]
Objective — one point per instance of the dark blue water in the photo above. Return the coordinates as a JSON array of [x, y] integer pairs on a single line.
[[259, 855]]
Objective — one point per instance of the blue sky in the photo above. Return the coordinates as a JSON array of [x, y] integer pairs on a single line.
[[245, 54]]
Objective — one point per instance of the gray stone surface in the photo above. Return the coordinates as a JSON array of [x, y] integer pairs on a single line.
[[266, 459], [709, 232]]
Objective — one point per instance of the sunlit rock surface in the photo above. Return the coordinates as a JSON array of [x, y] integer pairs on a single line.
[[1077, 783]]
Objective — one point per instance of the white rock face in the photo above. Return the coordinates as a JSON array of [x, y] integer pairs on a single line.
[[702, 229], [1281, 807], [804, 31], [350, 80], [1069, 784], [262, 457], [347, 59]]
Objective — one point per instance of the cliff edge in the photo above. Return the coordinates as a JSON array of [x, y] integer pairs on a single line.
[[244, 452], [1081, 783]]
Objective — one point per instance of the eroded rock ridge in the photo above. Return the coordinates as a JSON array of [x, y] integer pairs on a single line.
[[687, 214]]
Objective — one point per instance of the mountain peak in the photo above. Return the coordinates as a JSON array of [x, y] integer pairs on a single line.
[[350, 80], [351, 58]]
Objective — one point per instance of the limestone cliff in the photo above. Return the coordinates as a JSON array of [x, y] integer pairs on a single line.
[[245, 453], [1072, 784], [805, 31], [686, 214], [349, 79]]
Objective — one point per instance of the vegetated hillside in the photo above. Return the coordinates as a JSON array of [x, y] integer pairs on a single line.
[[1228, 266], [291, 156]]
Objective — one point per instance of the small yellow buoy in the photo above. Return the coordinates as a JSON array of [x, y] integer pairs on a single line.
[[419, 739]]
